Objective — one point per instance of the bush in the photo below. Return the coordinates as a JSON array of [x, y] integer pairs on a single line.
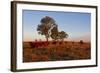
[[81, 42]]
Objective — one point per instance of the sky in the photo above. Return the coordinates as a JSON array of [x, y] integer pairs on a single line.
[[76, 24]]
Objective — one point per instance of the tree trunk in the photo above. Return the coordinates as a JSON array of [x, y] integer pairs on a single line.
[[62, 41], [47, 39]]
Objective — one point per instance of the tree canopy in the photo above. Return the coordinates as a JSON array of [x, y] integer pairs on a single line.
[[62, 35], [49, 28], [54, 33], [45, 26]]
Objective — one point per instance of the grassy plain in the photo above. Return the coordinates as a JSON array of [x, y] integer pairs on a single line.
[[55, 51]]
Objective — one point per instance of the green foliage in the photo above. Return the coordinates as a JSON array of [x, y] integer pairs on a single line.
[[47, 23], [49, 28], [54, 33], [47, 20], [62, 35]]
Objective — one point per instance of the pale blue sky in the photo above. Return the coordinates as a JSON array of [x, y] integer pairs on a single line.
[[77, 25]]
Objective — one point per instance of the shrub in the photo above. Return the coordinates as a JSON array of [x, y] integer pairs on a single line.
[[81, 42]]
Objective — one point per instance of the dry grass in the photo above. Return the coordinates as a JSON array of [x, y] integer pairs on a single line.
[[56, 51]]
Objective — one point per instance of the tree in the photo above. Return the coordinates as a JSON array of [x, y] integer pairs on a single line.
[[62, 35], [81, 42], [54, 33], [46, 24]]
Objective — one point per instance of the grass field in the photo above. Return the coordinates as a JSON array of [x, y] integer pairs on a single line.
[[55, 51]]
